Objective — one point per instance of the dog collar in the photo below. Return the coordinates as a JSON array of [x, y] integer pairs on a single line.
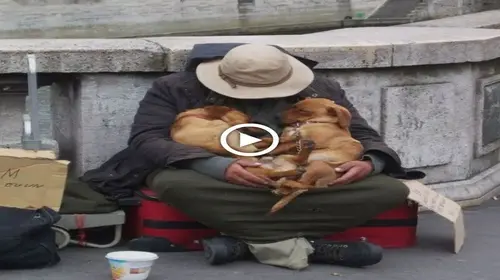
[[299, 124]]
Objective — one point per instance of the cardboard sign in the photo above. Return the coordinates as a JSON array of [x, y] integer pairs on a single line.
[[441, 205], [31, 179]]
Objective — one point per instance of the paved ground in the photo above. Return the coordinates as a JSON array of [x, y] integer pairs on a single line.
[[431, 259]]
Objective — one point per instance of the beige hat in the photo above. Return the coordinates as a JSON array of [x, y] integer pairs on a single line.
[[254, 71]]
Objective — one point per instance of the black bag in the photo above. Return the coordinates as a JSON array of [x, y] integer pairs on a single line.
[[27, 239]]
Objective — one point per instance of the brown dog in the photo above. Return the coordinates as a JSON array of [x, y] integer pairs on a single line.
[[327, 125], [202, 127]]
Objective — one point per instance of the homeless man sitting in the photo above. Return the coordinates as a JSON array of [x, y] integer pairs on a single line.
[[262, 81]]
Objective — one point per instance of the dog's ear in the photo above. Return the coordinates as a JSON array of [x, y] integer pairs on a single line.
[[342, 114], [216, 112]]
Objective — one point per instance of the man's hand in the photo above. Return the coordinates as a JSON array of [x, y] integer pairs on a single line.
[[236, 174], [353, 171]]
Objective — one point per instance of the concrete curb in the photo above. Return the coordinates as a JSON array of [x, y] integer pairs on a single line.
[[488, 19], [473, 191], [82, 55], [351, 48]]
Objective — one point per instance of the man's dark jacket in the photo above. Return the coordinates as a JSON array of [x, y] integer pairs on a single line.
[[150, 146]]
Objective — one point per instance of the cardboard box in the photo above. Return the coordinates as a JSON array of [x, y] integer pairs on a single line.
[[441, 205], [31, 179]]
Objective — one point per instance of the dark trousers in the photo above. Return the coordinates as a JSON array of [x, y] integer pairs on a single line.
[[241, 211]]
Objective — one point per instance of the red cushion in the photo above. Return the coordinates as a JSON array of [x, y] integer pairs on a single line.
[[396, 228], [393, 229], [157, 219]]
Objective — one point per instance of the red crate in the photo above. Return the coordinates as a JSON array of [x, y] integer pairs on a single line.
[[396, 228]]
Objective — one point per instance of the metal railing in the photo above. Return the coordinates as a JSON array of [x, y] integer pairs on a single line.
[[31, 122]]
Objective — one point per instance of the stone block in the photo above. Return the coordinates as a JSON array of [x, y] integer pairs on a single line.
[[472, 191], [488, 116], [69, 56], [367, 102], [488, 19], [363, 91], [11, 117], [329, 50], [44, 112], [445, 8], [349, 48], [434, 51], [370, 47], [55, 2], [105, 108], [418, 122]]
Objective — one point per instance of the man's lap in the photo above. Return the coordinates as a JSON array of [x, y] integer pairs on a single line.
[[241, 211], [188, 181]]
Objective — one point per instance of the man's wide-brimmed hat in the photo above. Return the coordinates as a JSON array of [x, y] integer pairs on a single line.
[[255, 71]]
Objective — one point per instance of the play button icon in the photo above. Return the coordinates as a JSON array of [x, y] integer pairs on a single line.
[[246, 140]]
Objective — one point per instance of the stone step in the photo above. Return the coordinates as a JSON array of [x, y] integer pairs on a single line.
[[112, 18]]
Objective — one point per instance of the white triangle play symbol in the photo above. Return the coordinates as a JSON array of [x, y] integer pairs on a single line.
[[246, 140]]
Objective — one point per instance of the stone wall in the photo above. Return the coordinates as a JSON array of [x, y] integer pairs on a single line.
[[488, 19], [127, 18], [449, 8], [11, 110]]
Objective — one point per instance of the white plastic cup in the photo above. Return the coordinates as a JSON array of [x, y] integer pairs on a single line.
[[130, 265]]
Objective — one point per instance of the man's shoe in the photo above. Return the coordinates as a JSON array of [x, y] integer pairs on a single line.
[[224, 249], [353, 254]]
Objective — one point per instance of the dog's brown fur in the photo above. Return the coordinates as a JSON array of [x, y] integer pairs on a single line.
[[203, 127], [323, 122], [327, 125]]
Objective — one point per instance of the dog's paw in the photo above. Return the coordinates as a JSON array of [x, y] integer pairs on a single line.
[[280, 182], [325, 182], [278, 192]]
